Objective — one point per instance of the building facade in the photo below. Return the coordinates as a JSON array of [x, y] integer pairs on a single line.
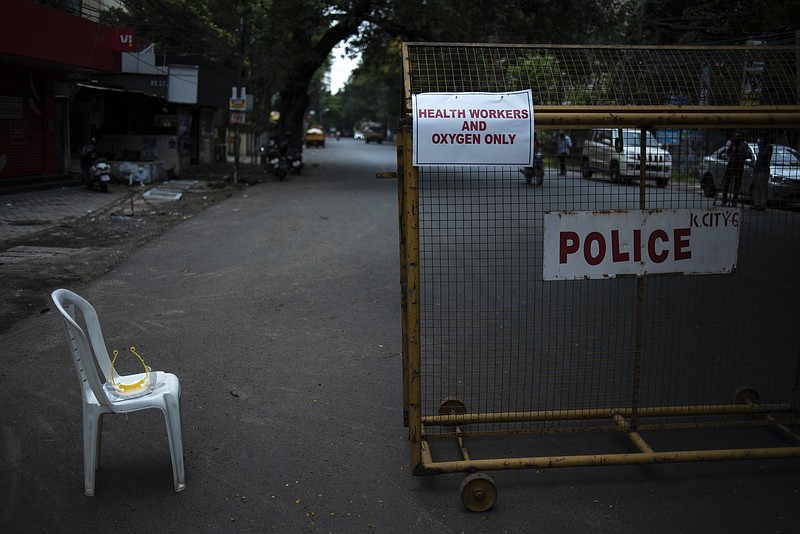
[[67, 79]]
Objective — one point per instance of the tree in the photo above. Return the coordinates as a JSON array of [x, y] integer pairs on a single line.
[[280, 45], [714, 21], [374, 90]]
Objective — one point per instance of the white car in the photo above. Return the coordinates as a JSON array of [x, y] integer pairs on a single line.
[[358, 135], [784, 174], [618, 156]]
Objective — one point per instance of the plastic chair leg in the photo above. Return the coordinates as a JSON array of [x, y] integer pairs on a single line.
[[172, 416], [92, 435]]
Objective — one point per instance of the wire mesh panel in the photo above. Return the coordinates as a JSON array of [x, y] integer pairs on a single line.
[[611, 76], [493, 345]]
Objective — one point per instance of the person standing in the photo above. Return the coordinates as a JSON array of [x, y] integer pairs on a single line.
[[761, 173], [732, 182], [564, 146]]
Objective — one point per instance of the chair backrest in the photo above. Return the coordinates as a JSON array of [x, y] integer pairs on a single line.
[[87, 353]]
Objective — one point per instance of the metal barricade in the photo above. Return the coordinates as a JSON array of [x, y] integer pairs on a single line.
[[500, 340]]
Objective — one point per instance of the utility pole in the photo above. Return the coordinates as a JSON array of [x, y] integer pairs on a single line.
[[237, 138]]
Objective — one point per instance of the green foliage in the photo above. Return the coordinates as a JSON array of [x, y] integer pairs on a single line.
[[542, 67], [374, 91]]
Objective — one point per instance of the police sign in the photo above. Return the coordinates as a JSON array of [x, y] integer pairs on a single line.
[[607, 244]]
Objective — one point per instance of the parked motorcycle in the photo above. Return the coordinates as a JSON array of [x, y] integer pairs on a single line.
[[535, 174], [274, 163], [98, 174], [294, 159]]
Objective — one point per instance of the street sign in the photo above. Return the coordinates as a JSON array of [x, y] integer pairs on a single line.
[[237, 104], [237, 117]]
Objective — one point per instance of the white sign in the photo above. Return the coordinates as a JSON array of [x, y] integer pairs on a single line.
[[473, 128], [183, 83], [607, 244]]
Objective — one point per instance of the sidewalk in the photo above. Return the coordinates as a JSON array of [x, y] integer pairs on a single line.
[[62, 236], [22, 214]]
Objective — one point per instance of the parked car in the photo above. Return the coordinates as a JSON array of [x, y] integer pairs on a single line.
[[618, 156], [784, 173], [315, 136]]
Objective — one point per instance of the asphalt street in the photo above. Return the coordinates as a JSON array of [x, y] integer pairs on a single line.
[[279, 310]]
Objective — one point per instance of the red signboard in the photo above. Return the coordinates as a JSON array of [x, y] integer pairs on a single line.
[[31, 30], [123, 39]]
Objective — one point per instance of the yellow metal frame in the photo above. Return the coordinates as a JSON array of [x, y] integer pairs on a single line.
[[621, 418], [628, 420]]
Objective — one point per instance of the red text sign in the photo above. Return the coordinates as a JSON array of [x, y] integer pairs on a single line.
[[606, 244], [473, 128]]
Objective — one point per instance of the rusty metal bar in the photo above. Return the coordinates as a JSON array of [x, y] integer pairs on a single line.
[[403, 149], [615, 48], [697, 425], [410, 195], [595, 460], [461, 445], [633, 435], [637, 362], [412, 303], [550, 117], [424, 458], [783, 428], [604, 413], [559, 117]]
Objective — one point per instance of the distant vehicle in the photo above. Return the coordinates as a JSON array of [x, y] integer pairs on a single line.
[[605, 151], [315, 136], [358, 135], [374, 135], [783, 185], [535, 174]]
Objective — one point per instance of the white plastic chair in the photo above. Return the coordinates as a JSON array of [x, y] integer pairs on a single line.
[[90, 353]]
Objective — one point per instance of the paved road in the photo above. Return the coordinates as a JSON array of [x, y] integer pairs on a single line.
[[279, 311]]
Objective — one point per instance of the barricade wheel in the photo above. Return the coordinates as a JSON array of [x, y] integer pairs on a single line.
[[452, 406], [745, 395], [478, 492]]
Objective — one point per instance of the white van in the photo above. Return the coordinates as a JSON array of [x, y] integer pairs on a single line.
[[605, 151]]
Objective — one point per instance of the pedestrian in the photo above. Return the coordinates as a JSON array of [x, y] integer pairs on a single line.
[[564, 146], [761, 173], [87, 155], [738, 152]]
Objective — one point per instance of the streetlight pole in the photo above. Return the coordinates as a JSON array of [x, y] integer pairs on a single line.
[[237, 138]]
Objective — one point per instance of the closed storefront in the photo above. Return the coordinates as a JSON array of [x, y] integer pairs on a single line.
[[24, 120]]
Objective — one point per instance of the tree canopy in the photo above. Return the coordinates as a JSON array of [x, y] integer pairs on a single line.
[[282, 47]]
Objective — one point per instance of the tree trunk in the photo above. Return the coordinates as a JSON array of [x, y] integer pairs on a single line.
[[294, 102]]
